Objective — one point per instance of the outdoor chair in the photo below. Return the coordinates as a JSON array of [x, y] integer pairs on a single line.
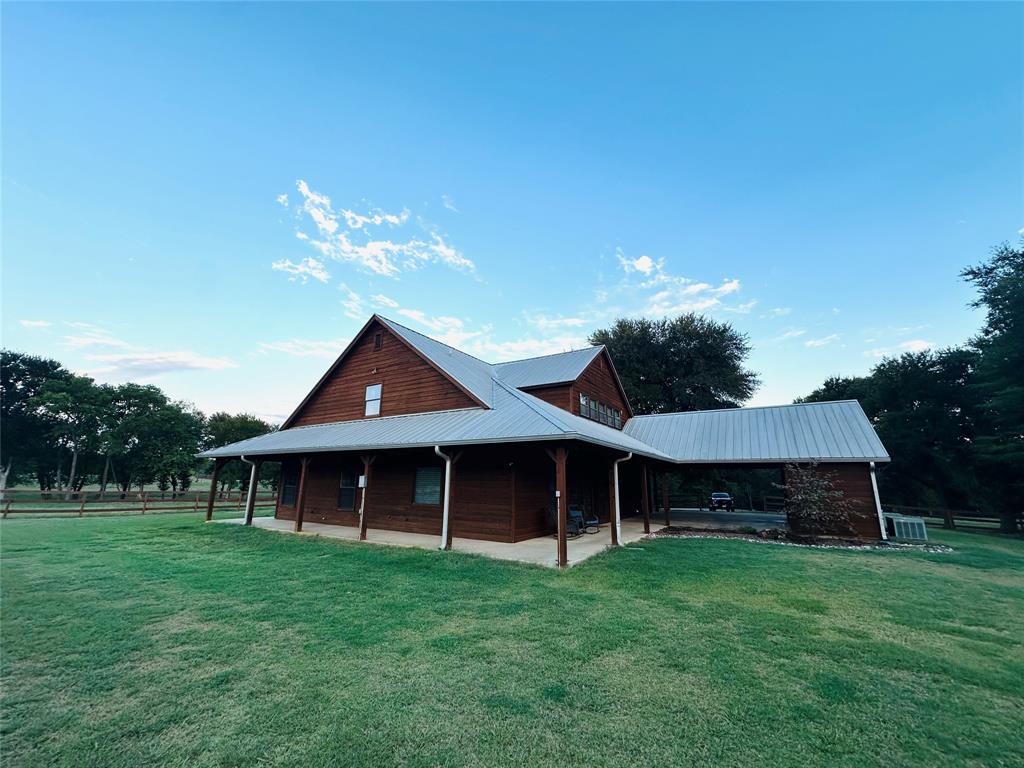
[[573, 528], [587, 523]]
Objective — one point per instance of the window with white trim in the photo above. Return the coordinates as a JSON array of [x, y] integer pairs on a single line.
[[373, 392]]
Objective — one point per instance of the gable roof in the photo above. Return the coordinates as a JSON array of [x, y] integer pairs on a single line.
[[548, 369], [834, 431]]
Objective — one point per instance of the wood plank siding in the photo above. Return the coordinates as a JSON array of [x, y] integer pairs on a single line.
[[598, 383], [854, 480], [408, 383]]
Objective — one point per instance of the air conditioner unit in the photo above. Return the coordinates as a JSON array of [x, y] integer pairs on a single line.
[[904, 527]]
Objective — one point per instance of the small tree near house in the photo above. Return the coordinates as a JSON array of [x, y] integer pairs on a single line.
[[814, 506]]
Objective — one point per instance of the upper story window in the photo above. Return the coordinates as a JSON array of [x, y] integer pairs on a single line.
[[598, 411], [378, 341], [372, 400]]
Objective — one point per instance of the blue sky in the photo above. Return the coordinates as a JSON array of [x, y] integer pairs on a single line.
[[215, 197]]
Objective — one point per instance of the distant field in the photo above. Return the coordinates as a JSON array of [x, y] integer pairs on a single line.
[[166, 641]]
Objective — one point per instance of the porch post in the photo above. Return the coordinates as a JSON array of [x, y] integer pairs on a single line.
[[367, 462], [613, 502], [646, 506], [250, 501], [562, 497], [300, 501], [664, 499], [217, 465]]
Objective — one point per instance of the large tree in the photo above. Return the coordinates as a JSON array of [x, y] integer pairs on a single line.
[[999, 380], [25, 445], [224, 428], [73, 408], [687, 363]]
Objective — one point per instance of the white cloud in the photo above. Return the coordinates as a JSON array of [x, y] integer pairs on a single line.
[[643, 264], [742, 309], [912, 345], [383, 301], [449, 203], [777, 312], [90, 335], [327, 348], [147, 364], [345, 236], [35, 323], [305, 269], [672, 294], [822, 342], [545, 323], [353, 303], [282, 200]]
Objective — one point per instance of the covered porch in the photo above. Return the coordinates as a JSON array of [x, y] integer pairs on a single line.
[[540, 550]]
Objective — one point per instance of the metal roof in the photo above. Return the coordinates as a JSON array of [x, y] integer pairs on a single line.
[[515, 417], [832, 431], [472, 373], [549, 369]]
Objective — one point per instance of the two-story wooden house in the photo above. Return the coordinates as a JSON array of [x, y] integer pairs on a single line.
[[406, 433]]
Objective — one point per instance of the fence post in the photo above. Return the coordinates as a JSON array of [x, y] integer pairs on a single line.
[[81, 507], [948, 521], [7, 507], [145, 499]]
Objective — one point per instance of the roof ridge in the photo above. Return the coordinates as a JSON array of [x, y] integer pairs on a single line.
[[553, 354], [745, 408]]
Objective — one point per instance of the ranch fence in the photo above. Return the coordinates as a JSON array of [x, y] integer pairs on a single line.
[[947, 518], [82, 503]]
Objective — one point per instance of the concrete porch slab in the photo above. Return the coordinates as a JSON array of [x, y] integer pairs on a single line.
[[539, 551]]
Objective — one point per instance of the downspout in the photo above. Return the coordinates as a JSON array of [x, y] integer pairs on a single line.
[[252, 488], [617, 522], [878, 502], [447, 495]]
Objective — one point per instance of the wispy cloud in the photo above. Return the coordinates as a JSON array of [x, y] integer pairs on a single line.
[[35, 323], [305, 269], [777, 312], [912, 345], [383, 301], [546, 323], [662, 293], [147, 365], [353, 303], [824, 341], [327, 348], [89, 335], [448, 203], [347, 236]]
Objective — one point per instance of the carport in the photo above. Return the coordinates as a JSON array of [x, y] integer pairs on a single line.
[[835, 437]]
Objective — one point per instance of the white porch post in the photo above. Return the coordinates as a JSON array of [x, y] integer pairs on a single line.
[[878, 502]]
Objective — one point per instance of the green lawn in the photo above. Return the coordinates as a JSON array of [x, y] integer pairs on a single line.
[[164, 641]]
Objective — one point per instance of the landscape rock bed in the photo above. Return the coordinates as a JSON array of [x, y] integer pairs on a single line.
[[785, 538]]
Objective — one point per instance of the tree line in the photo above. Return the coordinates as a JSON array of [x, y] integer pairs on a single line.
[[62, 431], [952, 419]]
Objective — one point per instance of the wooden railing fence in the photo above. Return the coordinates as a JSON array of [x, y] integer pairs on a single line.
[[82, 503]]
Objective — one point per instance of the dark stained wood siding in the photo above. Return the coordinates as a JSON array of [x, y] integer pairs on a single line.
[[854, 480], [597, 381], [559, 395], [409, 383], [534, 494]]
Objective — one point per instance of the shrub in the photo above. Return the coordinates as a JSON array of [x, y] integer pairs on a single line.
[[814, 506]]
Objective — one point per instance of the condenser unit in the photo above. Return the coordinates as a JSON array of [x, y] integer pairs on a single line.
[[904, 527]]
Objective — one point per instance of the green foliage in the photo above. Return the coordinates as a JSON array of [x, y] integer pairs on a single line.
[[224, 428], [165, 641], [814, 506], [687, 363]]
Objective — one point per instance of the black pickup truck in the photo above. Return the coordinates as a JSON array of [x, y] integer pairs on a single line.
[[720, 501]]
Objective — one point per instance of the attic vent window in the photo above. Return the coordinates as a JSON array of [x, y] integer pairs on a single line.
[[373, 392], [378, 341]]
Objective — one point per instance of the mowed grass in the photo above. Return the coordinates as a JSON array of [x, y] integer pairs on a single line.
[[164, 641]]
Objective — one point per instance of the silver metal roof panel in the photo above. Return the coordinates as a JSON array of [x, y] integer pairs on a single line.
[[832, 431]]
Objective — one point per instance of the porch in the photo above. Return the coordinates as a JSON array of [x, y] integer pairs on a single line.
[[542, 550]]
